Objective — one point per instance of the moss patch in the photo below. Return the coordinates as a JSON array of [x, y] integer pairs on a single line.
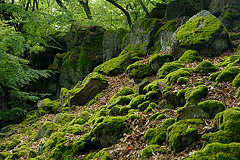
[[175, 75], [182, 133], [236, 81], [158, 135], [138, 70], [168, 68], [194, 95], [238, 93], [190, 56], [218, 151], [205, 67], [156, 61], [150, 150], [228, 74]]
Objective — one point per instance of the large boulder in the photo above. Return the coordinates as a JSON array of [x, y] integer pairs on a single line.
[[113, 42], [181, 8], [85, 45], [203, 33], [227, 11], [84, 91]]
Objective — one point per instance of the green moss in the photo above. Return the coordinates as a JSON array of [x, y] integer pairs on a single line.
[[133, 116], [213, 76], [110, 130], [75, 129], [168, 68], [228, 74], [64, 118], [113, 66], [152, 86], [236, 81], [218, 151], [122, 92], [102, 155], [190, 34], [238, 93], [228, 60], [175, 75], [190, 56], [148, 23], [138, 70], [158, 135], [51, 106], [205, 67], [154, 116], [150, 107], [137, 101], [212, 107], [124, 110], [95, 99], [12, 142], [160, 59], [170, 26], [152, 95], [234, 36], [182, 80], [143, 105], [150, 150], [182, 133], [194, 95]]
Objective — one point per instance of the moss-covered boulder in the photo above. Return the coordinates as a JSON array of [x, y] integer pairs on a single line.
[[175, 75], [156, 61], [226, 124], [228, 74], [205, 67], [190, 56], [194, 95], [229, 61], [203, 33], [110, 130], [84, 91], [168, 68], [137, 101], [85, 53], [212, 107], [121, 95], [119, 64], [236, 81], [138, 71], [46, 130], [158, 135], [49, 106], [151, 149], [183, 133], [218, 151]]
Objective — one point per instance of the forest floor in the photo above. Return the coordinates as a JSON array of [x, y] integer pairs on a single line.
[[131, 144]]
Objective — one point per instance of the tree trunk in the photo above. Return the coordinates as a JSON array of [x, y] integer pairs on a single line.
[[144, 8], [123, 10], [86, 9]]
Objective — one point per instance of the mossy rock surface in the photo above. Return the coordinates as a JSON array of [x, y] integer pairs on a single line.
[[137, 101], [190, 56], [238, 93], [212, 107], [182, 133], [175, 75], [84, 91], [110, 130], [205, 34], [194, 95], [228, 74], [138, 71], [156, 61], [158, 135], [231, 60], [125, 94], [218, 151], [168, 68], [151, 149], [50, 106], [236, 81], [205, 67], [102, 155]]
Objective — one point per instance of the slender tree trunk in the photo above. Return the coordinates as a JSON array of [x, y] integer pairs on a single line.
[[86, 8], [123, 10], [60, 3], [144, 8]]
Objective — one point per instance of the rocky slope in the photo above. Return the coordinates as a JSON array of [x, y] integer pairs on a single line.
[[163, 94]]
